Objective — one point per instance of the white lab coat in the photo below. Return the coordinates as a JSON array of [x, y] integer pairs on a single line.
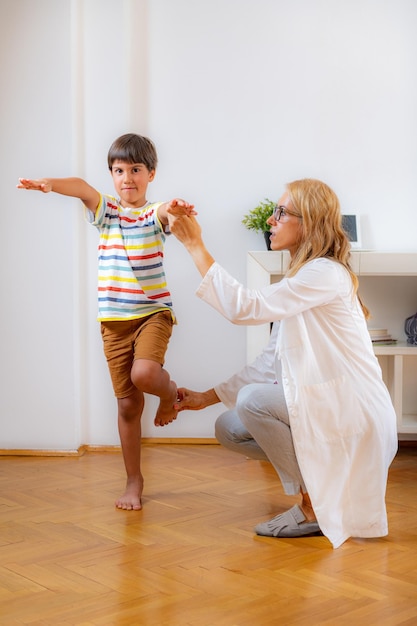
[[342, 419]]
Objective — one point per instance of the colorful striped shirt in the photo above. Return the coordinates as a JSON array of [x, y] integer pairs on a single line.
[[131, 277]]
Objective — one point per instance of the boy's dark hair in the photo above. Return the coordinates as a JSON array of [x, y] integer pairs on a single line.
[[133, 148]]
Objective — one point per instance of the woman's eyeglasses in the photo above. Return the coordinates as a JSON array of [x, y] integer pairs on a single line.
[[282, 211]]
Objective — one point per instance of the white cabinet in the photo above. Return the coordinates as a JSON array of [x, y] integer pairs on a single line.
[[388, 287]]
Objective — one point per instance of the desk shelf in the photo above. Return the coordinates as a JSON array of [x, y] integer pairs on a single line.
[[388, 286]]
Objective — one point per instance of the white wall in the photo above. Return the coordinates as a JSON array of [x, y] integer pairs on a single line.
[[240, 96]]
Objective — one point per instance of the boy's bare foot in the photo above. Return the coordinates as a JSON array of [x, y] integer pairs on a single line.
[[131, 499], [166, 412]]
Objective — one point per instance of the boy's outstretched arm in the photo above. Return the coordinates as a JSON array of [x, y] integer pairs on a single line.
[[168, 210], [74, 187]]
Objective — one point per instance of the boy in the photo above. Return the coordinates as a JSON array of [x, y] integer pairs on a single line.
[[135, 308]]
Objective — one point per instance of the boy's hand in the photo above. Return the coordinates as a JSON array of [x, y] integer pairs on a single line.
[[40, 184], [179, 207], [175, 209]]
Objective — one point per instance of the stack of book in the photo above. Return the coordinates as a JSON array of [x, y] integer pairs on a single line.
[[381, 337]]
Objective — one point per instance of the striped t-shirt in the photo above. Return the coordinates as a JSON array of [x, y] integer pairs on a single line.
[[131, 277]]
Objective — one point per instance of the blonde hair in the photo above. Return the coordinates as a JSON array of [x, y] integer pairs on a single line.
[[321, 229]]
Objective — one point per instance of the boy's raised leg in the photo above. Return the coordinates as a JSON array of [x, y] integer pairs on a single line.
[[151, 377]]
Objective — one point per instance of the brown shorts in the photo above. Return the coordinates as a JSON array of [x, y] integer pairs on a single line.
[[125, 341]]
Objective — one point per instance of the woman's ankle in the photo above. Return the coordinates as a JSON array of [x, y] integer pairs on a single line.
[[307, 508]]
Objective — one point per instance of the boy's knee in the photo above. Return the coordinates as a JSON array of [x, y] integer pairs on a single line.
[[144, 373], [130, 407]]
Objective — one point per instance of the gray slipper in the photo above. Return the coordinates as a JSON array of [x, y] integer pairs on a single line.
[[289, 524]]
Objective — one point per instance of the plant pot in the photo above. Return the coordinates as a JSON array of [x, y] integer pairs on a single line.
[[267, 235]]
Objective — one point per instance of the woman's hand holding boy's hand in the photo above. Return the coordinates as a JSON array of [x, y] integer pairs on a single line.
[[40, 184], [187, 230], [170, 211]]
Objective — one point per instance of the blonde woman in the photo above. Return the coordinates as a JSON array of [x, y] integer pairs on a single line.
[[327, 424]]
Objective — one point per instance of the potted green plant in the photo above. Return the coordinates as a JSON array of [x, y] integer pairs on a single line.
[[256, 219]]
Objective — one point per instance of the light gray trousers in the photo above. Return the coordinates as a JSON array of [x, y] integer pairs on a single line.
[[258, 427]]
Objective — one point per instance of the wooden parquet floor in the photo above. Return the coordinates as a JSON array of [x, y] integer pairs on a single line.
[[190, 557]]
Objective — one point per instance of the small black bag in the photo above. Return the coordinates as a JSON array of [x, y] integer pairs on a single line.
[[410, 328]]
